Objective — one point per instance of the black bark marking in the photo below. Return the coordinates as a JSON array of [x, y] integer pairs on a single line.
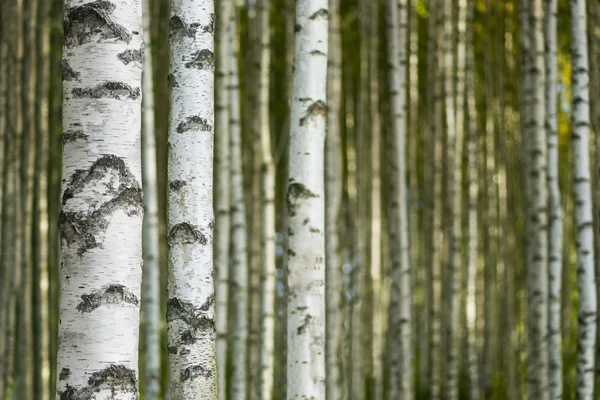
[[92, 22], [114, 90], [194, 123], [177, 185], [190, 315], [108, 294], [171, 81], [129, 56], [317, 53], [172, 349], [179, 28], [73, 135], [84, 229], [184, 233], [322, 13], [68, 73], [210, 28], [184, 352], [118, 379], [188, 337], [302, 327], [202, 59], [297, 191], [208, 303], [297, 28], [194, 371], [65, 373], [316, 108]]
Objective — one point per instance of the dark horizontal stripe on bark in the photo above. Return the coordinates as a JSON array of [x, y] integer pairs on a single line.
[[110, 89], [115, 378], [108, 294], [92, 22]]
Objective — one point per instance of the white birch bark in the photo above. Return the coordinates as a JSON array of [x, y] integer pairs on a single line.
[[401, 368], [267, 279], [305, 200], [537, 209], [586, 279], [222, 191], [190, 304], [151, 273], [555, 233], [333, 199], [101, 219], [472, 362], [239, 240]]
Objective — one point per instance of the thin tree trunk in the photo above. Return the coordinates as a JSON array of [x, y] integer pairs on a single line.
[[222, 191], [333, 199], [305, 200], [4, 269], [472, 204], [190, 305], [267, 286], [151, 249], [239, 240], [555, 212], [101, 220], [401, 368], [586, 279]]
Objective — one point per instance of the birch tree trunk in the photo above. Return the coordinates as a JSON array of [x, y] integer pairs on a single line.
[[239, 241], [537, 210], [401, 368], [101, 219], [472, 203], [555, 212], [305, 200], [333, 200], [222, 190], [190, 304], [267, 285], [151, 273], [586, 279]]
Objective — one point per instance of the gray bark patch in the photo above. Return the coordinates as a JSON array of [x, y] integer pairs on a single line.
[[178, 28], [188, 337], [302, 327], [297, 191], [322, 13], [190, 315], [116, 378], [208, 303], [114, 90], [109, 294], [92, 22], [65, 373], [84, 229], [318, 108], [129, 56], [73, 135], [194, 123], [171, 81], [203, 59], [184, 233], [194, 371], [68, 73]]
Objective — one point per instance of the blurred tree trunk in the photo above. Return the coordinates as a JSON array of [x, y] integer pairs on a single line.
[[100, 274], [222, 200], [586, 280], [151, 245], [333, 198], [305, 200], [239, 241]]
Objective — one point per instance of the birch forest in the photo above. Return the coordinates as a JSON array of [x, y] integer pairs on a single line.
[[299, 199]]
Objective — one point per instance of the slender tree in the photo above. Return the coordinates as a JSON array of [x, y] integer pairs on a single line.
[[101, 219], [190, 305], [222, 190], [305, 200], [586, 279], [333, 199]]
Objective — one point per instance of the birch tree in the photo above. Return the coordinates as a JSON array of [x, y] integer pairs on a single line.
[[401, 295], [305, 201], [586, 279], [555, 235], [101, 219], [239, 240], [190, 304], [333, 199], [222, 191]]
